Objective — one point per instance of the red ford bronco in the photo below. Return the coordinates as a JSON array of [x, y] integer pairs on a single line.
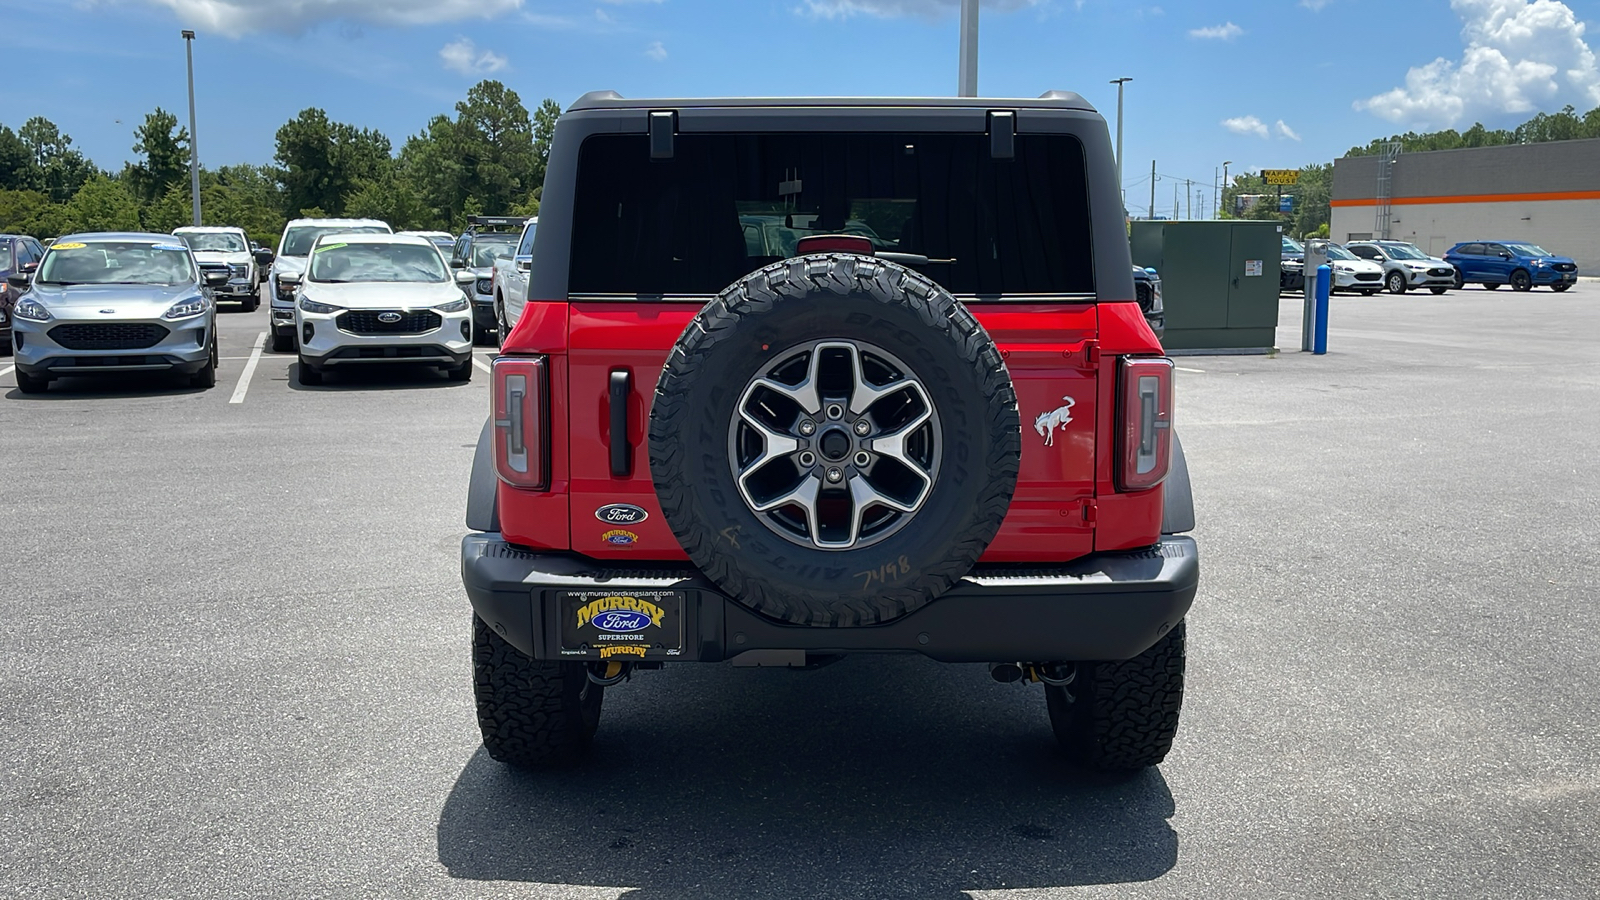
[[799, 378]]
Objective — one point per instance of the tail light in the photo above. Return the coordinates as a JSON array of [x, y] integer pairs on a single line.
[[1145, 436], [521, 426]]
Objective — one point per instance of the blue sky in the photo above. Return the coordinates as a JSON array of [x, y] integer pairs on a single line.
[[1212, 80]]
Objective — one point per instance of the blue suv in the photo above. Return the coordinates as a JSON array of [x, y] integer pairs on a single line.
[[1517, 263]]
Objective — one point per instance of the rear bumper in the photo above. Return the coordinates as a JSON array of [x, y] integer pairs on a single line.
[[1100, 607]]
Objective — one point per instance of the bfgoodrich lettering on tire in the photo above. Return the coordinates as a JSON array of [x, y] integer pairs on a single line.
[[834, 440]]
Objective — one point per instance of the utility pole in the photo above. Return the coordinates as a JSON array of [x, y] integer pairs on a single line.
[[1176, 209], [1214, 194], [194, 143], [969, 49], [1188, 196], [1119, 82], [1152, 189]]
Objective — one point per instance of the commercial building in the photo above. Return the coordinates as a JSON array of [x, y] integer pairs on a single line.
[[1546, 194]]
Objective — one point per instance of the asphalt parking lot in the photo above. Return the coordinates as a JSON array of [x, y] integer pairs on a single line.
[[234, 649]]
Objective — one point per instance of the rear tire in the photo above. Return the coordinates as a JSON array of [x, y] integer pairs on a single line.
[[29, 384], [1437, 290], [532, 713], [1521, 281], [1491, 286], [310, 375], [282, 341], [1122, 716]]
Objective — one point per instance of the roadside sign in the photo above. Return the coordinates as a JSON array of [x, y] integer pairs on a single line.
[[1286, 203], [1252, 268], [1281, 177]]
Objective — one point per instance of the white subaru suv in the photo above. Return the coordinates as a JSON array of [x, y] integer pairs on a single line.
[[380, 298], [298, 236]]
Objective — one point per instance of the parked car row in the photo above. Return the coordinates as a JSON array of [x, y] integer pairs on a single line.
[[1368, 266]]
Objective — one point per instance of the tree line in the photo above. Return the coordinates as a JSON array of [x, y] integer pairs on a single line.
[[1312, 193], [489, 158]]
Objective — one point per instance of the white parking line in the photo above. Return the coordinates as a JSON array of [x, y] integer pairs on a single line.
[[481, 364], [6, 371], [1196, 371], [249, 369]]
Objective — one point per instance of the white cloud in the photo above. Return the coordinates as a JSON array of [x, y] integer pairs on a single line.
[[235, 18], [1520, 55], [1285, 131], [1246, 125], [656, 51], [1315, 5], [1224, 32], [890, 9], [462, 55]]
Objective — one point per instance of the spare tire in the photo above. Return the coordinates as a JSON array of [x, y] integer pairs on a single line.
[[834, 440]]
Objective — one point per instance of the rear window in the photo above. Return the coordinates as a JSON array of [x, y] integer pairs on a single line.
[[725, 205]]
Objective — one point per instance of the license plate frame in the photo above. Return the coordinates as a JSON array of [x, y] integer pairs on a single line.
[[621, 625]]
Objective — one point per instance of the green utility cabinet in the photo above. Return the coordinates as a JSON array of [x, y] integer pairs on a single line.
[[1219, 280]]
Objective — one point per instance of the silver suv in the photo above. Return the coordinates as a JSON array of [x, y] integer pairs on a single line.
[[1405, 266]]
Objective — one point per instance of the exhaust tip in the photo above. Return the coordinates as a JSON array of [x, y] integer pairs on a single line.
[[1006, 673]]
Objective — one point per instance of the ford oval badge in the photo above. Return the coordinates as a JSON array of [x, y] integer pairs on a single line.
[[621, 622], [621, 514], [388, 318]]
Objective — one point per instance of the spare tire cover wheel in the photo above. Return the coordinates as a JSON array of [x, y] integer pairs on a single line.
[[834, 440]]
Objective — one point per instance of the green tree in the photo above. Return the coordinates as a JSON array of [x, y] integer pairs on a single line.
[[62, 169], [323, 160], [494, 137], [30, 212], [18, 169], [102, 204], [165, 148], [391, 198], [430, 165], [544, 132]]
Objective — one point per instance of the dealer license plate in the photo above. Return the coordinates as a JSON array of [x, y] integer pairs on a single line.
[[621, 625]]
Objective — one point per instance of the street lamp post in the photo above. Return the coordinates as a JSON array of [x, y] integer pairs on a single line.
[[194, 145], [968, 74], [1225, 164], [1119, 82]]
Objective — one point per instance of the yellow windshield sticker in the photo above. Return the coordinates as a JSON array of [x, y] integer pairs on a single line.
[[69, 246], [326, 247]]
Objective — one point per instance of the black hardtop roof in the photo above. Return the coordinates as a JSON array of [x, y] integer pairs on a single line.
[[1047, 100]]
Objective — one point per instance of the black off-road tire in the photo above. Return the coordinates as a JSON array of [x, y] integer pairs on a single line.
[[1521, 281], [282, 341], [845, 297], [532, 713], [1396, 283], [1122, 716], [29, 384]]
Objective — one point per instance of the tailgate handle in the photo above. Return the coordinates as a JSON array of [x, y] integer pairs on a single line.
[[621, 450]]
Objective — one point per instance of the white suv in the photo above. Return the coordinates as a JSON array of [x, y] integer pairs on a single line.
[[298, 236], [1405, 266], [380, 298]]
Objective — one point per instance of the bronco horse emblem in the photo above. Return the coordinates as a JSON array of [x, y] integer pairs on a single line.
[[1047, 423]]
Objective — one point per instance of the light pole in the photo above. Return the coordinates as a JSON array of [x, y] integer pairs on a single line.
[[194, 145], [1119, 82], [1225, 164], [968, 74]]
